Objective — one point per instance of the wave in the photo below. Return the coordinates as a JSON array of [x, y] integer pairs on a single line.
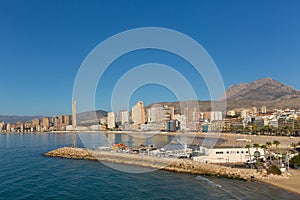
[[208, 182]]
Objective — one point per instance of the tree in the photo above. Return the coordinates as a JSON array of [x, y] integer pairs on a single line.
[[246, 129], [248, 146], [256, 146], [269, 144], [276, 143], [254, 128], [296, 160], [264, 147]]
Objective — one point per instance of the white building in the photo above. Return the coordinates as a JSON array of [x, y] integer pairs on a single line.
[[263, 109], [123, 117], [183, 122], [111, 120], [156, 113], [228, 155], [274, 123], [216, 115], [231, 113]]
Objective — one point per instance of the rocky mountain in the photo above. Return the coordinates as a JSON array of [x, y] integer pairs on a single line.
[[84, 117], [262, 92], [265, 89], [90, 117], [15, 118]]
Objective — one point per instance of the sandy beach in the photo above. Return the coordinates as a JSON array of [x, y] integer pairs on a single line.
[[230, 138], [291, 184]]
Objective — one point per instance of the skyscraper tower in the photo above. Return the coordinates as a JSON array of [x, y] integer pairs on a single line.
[[138, 113], [74, 123]]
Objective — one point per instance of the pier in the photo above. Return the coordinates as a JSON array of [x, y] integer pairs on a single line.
[[163, 163]]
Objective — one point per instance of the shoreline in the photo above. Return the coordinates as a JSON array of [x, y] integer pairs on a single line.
[[168, 164], [287, 182], [229, 139], [291, 184]]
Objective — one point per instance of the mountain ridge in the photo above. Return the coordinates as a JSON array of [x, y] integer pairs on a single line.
[[264, 89]]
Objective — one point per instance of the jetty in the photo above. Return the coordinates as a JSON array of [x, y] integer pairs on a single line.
[[163, 163]]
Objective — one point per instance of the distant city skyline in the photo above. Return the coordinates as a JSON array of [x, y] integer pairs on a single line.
[[43, 44]]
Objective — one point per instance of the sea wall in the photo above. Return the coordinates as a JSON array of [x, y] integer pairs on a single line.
[[170, 164]]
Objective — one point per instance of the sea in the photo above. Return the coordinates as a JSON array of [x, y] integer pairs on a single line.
[[25, 173]]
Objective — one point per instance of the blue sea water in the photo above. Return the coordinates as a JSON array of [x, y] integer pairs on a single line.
[[25, 173]]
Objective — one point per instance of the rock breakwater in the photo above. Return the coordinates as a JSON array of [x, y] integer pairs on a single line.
[[169, 164]]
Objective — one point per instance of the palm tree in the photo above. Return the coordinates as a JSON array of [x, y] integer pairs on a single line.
[[264, 147], [276, 143], [248, 146], [256, 146], [254, 128], [269, 144]]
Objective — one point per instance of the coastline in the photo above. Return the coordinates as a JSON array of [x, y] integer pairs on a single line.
[[230, 139], [169, 164], [289, 182]]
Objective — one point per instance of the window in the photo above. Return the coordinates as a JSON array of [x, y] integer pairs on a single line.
[[246, 151], [242, 151], [227, 152], [219, 152], [237, 152]]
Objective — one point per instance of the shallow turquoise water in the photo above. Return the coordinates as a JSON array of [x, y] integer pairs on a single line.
[[26, 174]]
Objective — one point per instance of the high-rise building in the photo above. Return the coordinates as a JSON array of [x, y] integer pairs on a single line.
[[36, 122], [189, 112], [111, 120], [1, 126], [172, 112], [45, 123], [123, 117], [8, 127], [60, 122], [138, 113], [183, 122], [74, 122], [67, 120], [156, 113], [148, 115]]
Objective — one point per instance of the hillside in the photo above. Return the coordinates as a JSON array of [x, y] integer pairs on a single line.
[[262, 92], [89, 118], [15, 118], [265, 89]]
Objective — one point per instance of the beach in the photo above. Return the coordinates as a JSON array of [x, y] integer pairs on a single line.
[[292, 183]]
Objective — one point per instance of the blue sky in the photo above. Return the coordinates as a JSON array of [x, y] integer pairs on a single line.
[[43, 43]]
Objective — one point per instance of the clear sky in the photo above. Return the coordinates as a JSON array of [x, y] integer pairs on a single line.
[[43, 43]]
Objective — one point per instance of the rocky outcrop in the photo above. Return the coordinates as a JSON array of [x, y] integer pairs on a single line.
[[170, 164], [265, 89]]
